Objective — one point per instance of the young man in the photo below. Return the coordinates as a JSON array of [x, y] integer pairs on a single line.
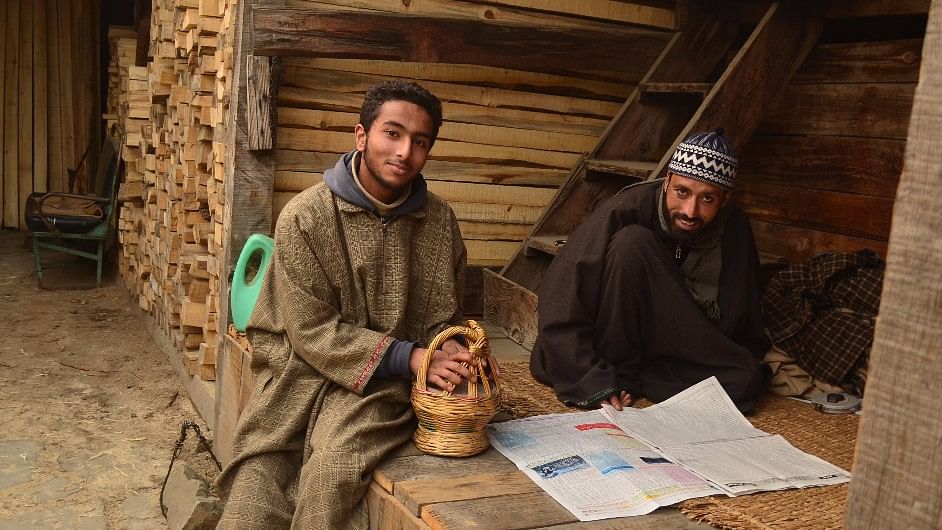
[[656, 290], [368, 266]]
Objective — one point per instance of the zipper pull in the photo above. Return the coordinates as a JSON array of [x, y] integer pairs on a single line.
[[677, 252]]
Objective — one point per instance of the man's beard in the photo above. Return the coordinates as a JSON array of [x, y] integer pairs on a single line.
[[685, 235], [374, 172]]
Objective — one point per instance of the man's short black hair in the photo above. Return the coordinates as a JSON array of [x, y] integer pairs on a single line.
[[395, 90]]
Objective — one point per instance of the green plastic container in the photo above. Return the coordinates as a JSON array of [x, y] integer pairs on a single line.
[[242, 295]]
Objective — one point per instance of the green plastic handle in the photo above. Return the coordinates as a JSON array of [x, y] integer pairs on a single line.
[[242, 295]]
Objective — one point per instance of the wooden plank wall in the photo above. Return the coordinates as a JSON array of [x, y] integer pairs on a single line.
[[510, 136], [48, 98], [175, 112], [821, 171]]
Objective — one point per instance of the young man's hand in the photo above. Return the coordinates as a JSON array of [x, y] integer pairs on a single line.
[[619, 401], [445, 370]]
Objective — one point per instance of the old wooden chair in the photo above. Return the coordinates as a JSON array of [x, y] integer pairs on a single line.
[[62, 222]]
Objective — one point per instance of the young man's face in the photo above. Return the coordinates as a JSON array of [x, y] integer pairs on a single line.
[[691, 204], [394, 150]]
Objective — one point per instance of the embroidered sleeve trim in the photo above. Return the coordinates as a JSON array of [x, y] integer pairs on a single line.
[[371, 363]]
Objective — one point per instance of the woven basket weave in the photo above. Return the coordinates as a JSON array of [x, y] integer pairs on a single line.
[[454, 424]]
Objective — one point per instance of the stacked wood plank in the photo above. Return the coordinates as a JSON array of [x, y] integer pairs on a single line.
[[511, 135], [171, 224], [48, 88]]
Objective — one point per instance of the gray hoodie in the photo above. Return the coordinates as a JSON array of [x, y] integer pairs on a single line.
[[339, 179]]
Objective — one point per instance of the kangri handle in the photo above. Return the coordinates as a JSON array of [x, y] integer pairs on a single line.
[[480, 352]]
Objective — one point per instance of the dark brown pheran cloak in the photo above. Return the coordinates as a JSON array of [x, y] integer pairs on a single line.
[[616, 313]]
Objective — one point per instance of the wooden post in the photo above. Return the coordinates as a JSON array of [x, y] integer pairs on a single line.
[[896, 470], [249, 177], [259, 99]]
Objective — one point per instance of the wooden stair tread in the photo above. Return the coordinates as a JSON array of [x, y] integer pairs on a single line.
[[675, 88], [548, 244], [627, 168]]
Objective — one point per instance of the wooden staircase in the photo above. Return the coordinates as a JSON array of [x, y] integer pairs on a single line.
[[689, 88]]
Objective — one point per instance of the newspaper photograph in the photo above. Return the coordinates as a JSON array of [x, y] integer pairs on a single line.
[[594, 468]]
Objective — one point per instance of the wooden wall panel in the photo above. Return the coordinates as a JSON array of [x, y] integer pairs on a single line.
[[10, 12], [49, 97], [40, 99], [559, 15], [509, 139], [24, 108], [822, 171], [513, 129]]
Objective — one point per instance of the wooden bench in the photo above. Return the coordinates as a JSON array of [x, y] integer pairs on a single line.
[[412, 490]]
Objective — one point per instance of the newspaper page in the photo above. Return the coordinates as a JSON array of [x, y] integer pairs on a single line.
[[701, 429], [592, 467]]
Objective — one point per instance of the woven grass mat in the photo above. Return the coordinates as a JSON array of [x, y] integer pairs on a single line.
[[831, 437]]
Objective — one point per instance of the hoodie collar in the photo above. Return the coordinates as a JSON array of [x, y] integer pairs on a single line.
[[340, 180]]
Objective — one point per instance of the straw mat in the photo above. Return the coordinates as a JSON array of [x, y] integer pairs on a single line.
[[831, 437]]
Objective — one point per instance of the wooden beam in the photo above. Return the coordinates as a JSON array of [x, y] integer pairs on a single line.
[[483, 114], [450, 130], [609, 10], [879, 110], [479, 11], [752, 11], [896, 466], [369, 35], [358, 83], [477, 75], [842, 213], [249, 175], [259, 98], [860, 165], [862, 62], [316, 162], [11, 150], [797, 244], [341, 142]]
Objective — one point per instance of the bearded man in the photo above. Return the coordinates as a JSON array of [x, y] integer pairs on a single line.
[[657, 290], [367, 268]]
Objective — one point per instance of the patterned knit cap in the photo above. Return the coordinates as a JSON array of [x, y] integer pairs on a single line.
[[707, 157]]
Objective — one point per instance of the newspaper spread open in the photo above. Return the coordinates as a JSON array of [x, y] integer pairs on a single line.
[[701, 429], [608, 463], [592, 467]]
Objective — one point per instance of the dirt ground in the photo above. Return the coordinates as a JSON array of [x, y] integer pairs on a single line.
[[89, 406]]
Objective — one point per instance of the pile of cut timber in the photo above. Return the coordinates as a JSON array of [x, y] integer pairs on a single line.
[[171, 222], [510, 137]]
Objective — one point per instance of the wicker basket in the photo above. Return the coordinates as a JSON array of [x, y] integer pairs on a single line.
[[454, 425]]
